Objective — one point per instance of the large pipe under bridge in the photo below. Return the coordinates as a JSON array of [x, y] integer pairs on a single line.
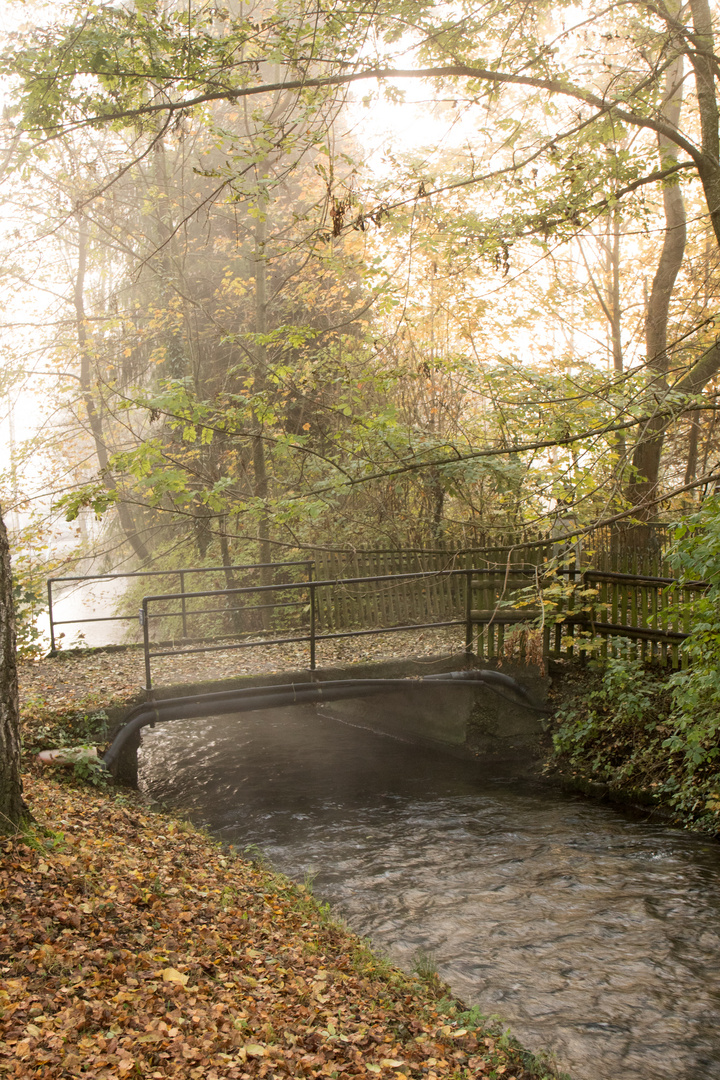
[[251, 699]]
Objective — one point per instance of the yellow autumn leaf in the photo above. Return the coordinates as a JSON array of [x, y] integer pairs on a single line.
[[255, 1050], [172, 975]]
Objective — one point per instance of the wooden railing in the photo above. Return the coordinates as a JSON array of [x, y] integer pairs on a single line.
[[654, 612], [513, 599]]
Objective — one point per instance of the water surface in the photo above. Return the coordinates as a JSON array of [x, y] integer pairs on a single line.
[[592, 934]]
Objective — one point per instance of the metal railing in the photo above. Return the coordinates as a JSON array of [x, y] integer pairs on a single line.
[[180, 574], [656, 610], [308, 601]]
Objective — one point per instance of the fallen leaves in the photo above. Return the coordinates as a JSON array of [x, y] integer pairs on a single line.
[[132, 945], [172, 975]]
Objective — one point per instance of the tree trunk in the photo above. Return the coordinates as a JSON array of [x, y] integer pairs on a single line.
[[94, 419], [12, 808], [704, 63], [260, 352], [646, 456], [616, 323], [231, 579], [692, 455]]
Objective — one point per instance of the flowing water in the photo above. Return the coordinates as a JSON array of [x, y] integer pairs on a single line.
[[592, 934]]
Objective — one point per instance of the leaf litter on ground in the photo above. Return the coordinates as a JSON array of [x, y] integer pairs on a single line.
[[117, 675], [133, 945]]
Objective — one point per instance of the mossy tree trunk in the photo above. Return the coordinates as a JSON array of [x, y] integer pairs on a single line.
[[12, 808]]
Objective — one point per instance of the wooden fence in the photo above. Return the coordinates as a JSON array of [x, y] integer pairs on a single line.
[[653, 613], [536, 597], [543, 597], [387, 603], [437, 596]]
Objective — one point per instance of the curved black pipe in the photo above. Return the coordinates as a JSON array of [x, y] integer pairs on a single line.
[[250, 699], [483, 675]]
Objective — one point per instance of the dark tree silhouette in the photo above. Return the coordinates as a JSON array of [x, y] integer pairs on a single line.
[[12, 808]]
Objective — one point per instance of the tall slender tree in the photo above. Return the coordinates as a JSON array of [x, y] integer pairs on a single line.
[[13, 811]]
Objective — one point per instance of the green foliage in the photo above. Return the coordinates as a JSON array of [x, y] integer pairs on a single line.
[[33, 561], [94, 495], [102, 65], [87, 768], [614, 724], [29, 599], [275, 422], [646, 732], [695, 551], [695, 554], [45, 728], [538, 1066], [424, 965]]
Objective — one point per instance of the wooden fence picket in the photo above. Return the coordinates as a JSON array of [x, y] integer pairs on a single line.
[[641, 606]]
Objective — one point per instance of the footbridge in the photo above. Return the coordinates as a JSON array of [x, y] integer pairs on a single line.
[[477, 598], [473, 605], [439, 707]]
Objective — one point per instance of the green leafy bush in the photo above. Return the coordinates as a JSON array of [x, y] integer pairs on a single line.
[[644, 730], [47, 728], [30, 599], [87, 768], [695, 739], [615, 725]]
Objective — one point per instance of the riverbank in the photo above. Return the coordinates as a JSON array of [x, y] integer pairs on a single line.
[[617, 737], [133, 945]]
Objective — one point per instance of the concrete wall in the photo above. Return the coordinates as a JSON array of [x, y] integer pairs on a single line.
[[500, 727], [476, 719]]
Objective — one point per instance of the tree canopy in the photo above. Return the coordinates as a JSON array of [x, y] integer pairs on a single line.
[[506, 321]]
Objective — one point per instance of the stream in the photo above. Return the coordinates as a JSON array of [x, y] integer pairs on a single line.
[[593, 935]]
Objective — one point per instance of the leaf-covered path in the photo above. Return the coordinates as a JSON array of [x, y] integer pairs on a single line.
[[107, 676], [131, 945]]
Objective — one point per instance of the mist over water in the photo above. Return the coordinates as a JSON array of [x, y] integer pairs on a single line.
[[592, 934]]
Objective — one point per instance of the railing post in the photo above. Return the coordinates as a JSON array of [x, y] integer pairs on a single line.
[[53, 650], [468, 613], [184, 611], [312, 623], [145, 623], [546, 634], [570, 649]]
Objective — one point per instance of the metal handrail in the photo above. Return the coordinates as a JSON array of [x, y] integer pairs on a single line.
[[149, 573], [183, 570], [312, 637], [253, 698]]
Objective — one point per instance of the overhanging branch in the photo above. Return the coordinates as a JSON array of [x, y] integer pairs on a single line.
[[552, 86]]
